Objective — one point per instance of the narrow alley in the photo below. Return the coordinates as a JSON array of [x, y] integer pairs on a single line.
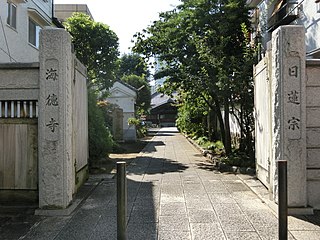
[[173, 193]]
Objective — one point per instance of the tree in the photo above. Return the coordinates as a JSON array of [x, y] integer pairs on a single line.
[[132, 64], [96, 46], [191, 115], [202, 43], [143, 95], [134, 70], [100, 139]]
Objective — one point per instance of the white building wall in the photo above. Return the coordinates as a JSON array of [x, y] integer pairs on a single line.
[[309, 17], [124, 97], [14, 43]]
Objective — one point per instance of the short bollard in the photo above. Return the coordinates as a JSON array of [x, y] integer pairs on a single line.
[[283, 200], [121, 201]]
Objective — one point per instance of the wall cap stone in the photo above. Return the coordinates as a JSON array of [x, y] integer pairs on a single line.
[[313, 62], [19, 65]]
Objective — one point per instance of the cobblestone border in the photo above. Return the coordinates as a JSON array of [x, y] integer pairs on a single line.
[[220, 165]]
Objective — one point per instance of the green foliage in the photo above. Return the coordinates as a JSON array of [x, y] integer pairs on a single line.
[[218, 147], [204, 143], [96, 46], [190, 117], [141, 129], [205, 47], [239, 159], [133, 121], [100, 138], [134, 71], [143, 100], [132, 64]]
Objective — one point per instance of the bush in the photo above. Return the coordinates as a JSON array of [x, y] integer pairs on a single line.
[[239, 159], [190, 122], [100, 138], [141, 129], [133, 121]]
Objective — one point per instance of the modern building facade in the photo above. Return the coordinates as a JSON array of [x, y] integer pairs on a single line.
[[21, 22], [158, 67], [267, 15], [64, 11]]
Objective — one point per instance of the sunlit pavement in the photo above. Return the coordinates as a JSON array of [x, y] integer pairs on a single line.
[[173, 193]]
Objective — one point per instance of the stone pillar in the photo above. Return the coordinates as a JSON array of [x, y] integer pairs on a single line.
[[117, 123], [289, 110], [56, 178]]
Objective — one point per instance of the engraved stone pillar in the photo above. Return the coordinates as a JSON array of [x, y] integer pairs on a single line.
[[289, 110], [55, 120]]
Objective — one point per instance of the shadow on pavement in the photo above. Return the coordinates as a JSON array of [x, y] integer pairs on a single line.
[[162, 132], [207, 166], [314, 219], [151, 165], [152, 146]]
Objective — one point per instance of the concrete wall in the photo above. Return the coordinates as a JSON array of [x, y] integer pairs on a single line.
[[64, 11], [44, 104], [14, 43], [313, 132], [287, 110], [262, 103], [80, 122], [19, 80]]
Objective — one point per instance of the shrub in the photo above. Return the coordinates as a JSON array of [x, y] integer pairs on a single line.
[[141, 129], [100, 138]]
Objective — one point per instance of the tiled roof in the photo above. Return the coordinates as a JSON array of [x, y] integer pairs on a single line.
[[158, 99]]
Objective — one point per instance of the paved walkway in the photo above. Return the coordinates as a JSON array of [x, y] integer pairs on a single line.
[[173, 193]]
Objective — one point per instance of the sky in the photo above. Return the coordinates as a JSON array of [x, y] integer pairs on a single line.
[[125, 17]]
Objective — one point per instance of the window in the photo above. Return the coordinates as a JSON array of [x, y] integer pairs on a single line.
[[12, 15], [318, 6], [34, 30]]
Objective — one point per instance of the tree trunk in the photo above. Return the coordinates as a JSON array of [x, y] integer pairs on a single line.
[[209, 127], [220, 119], [214, 126], [227, 142]]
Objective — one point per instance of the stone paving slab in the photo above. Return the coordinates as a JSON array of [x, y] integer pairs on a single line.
[[173, 193]]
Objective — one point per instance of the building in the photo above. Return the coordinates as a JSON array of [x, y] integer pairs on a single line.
[[64, 11], [286, 80], [270, 14], [124, 96], [157, 83], [21, 22], [163, 111]]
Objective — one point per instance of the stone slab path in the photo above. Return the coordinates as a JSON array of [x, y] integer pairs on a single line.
[[173, 193]]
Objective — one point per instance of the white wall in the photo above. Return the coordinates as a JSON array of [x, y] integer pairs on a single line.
[[309, 17], [124, 97], [14, 43]]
